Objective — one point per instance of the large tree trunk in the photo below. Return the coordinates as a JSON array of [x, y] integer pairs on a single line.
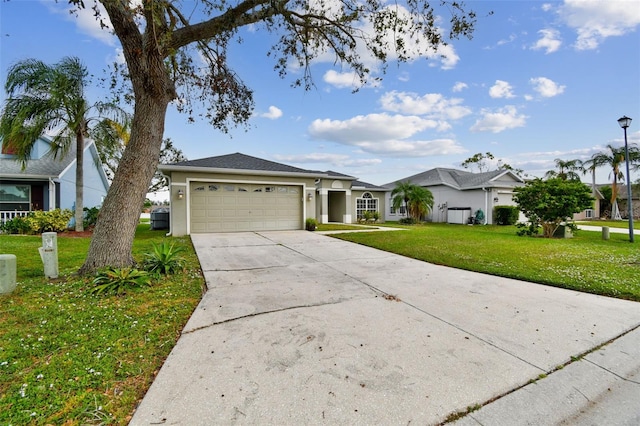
[[79, 211], [120, 214]]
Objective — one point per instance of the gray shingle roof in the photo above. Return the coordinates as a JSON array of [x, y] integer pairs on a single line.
[[459, 179], [367, 185], [46, 166], [240, 161]]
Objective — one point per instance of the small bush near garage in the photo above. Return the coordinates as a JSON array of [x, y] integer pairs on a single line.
[[506, 215], [310, 224]]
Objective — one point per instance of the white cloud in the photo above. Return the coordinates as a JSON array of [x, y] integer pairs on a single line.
[[459, 86], [546, 88], [369, 127], [432, 105], [85, 20], [549, 41], [273, 114], [501, 89], [499, 120], [384, 134], [402, 148], [339, 160], [594, 21], [349, 79]]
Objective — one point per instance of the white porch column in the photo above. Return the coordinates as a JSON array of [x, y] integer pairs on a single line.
[[52, 194], [324, 205], [349, 210]]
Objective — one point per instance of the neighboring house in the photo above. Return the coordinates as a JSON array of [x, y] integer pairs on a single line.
[[458, 194], [593, 213], [622, 201], [238, 192], [48, 183]]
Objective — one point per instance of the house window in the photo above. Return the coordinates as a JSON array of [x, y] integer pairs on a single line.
[[366, 203], [588, 214], [15, 197], [401, 210], [214, 187]]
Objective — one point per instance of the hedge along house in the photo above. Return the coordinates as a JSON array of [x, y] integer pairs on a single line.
[[238, 192], [48, 183], [458, 194]]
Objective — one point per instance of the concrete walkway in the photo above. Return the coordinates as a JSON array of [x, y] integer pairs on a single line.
[[299, 328]]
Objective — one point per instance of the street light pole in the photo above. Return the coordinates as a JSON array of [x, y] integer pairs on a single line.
[[625, 122]]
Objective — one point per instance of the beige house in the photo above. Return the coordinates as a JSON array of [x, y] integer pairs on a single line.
[[238, 192]]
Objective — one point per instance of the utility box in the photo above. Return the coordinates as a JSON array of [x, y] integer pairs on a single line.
[[49, 254], [8, 271], [459, 215], [160, 219]]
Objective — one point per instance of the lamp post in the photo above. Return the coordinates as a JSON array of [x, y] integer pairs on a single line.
[[625, 122]]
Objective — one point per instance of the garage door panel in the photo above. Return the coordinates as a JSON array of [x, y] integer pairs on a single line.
[[228, 207]]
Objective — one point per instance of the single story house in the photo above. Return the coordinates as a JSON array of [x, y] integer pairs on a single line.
[[592, 213], [48, 183], [459, 194], [238, 192]]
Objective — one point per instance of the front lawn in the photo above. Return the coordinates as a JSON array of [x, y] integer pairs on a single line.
[[69, 357], [584, 263]]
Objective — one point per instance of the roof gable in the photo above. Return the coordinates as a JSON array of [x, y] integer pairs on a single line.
[[42, 162]]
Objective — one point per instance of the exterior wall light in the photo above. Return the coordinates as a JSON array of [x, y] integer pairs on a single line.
[[309, 196], [625, 122], [180, 194]]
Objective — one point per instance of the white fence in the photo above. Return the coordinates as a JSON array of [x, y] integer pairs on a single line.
[[6, 216]]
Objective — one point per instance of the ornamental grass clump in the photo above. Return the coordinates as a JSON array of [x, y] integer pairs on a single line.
[[119, 280], [164, 259]]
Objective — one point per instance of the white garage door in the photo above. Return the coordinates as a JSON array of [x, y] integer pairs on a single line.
[[230, 207]]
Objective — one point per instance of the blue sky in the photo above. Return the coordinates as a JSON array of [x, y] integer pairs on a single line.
[[539, 81]]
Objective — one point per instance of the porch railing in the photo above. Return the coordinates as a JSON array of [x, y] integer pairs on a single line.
[[6, 216]]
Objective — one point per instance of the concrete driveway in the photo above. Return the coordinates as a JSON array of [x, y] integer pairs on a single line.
[[300, 328]]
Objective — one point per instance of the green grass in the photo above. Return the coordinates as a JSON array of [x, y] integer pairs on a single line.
[[68, 357], [584, 263]]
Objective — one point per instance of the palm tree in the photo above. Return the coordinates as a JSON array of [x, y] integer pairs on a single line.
[[50, 98], [400, 195], [420, 202], [567, 170], [615, 158]]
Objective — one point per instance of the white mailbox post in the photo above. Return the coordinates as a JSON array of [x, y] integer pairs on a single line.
[[49, 254]]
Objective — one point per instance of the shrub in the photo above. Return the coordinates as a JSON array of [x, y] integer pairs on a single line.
[[506, 215], [39, 221], [119, 280], [17, 225], [90, 216], [164, 259], [310, 224], [408, 221], [529, 229]]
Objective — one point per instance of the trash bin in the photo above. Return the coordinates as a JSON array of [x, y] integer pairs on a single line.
[[159, 219]]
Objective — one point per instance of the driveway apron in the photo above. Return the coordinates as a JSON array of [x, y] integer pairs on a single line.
[[301, 328]]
